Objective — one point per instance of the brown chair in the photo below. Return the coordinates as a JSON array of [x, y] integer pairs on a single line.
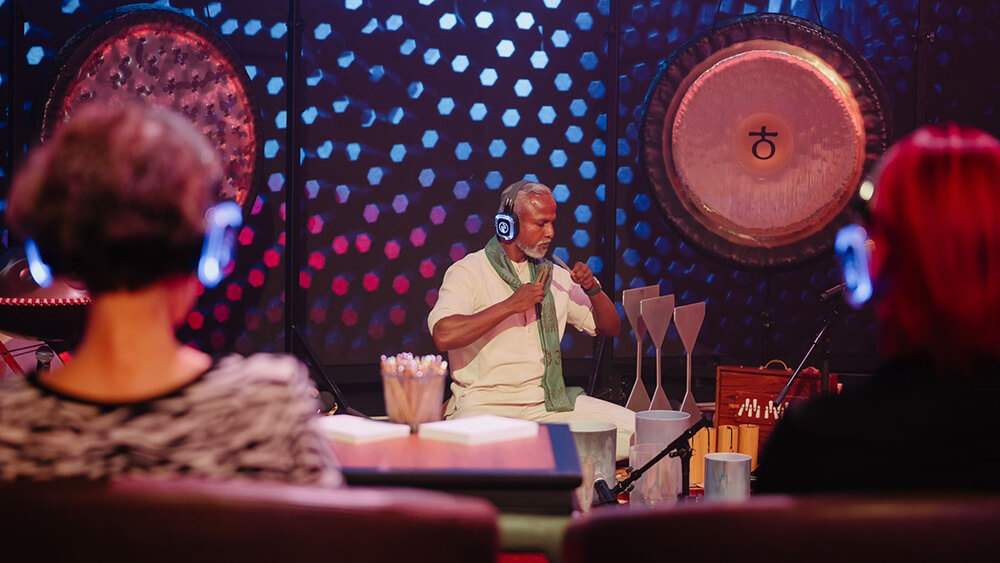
[[191, 521], [779, 529]]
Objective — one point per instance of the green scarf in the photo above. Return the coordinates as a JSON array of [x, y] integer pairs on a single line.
[[558, 397]]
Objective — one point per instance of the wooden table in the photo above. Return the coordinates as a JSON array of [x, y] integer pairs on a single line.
[[531, 475]]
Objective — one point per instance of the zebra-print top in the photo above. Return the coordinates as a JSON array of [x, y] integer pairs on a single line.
[[249, 418]]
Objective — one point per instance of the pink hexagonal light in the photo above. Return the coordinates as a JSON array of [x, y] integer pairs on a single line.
[[401, 284]]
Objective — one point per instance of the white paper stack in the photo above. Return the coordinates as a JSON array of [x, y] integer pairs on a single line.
[[357, 430], [480, 429]]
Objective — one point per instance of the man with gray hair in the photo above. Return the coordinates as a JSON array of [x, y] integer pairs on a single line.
[[501, 313]]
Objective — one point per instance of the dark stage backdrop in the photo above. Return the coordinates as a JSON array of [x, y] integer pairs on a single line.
[[410, 116]]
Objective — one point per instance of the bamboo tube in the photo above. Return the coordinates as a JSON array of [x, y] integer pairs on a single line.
[[748, 441], [699, 447], [727, 439]]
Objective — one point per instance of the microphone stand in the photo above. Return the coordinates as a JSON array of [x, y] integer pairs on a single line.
[[313, 362], [820, 336], [678, 448]]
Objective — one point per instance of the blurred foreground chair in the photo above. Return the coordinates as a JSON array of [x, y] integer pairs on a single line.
[[779, 529], [193, 521]]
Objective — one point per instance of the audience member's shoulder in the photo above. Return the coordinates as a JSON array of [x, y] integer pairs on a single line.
[[15, 390], [277, 369]]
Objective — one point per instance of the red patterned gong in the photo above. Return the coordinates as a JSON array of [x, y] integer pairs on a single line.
[[756, 136], [163, 57]]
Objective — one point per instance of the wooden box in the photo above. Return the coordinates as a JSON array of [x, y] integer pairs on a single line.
[[745, 395]]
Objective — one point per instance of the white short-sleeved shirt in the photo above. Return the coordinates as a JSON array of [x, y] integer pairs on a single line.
[[504, 366]]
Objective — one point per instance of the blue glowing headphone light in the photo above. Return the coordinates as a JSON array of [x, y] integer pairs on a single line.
[[853, 257], [217, 252], [40, 271]]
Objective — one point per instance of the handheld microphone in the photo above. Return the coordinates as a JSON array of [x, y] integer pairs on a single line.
[[832, 293]]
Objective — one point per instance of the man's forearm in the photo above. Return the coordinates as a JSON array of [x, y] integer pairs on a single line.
[[461, 330], [605, 316]]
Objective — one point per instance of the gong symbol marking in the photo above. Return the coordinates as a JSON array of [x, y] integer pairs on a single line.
[[763, 139]]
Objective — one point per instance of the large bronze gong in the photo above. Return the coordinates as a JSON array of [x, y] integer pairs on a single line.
[[756, 135]]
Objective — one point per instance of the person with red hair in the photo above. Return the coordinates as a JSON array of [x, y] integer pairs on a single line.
[[935, 263]]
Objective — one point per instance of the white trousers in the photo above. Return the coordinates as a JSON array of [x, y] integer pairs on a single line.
[[587, 408]]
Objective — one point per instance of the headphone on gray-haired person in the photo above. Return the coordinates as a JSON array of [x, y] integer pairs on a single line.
[[505, 222]]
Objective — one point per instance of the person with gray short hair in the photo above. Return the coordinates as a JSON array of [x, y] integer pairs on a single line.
[[501, 314]]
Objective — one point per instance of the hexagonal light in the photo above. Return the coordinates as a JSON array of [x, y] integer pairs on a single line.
[[418, 237], [505, 48], [547, 114], [539, 59], [375, 175], [353, 150], [478, 111], [584, 21], [530, 146], [511, 117], [558, 158], [394, 22], [445, 106], [583, 214], [574, 134], [563, 82], [447, 21], [524, 20], [488, 77], [560, 192], [494, 179], [342, 192], [484, 20], [473, 223], [497, 148], [588, 60], [463, 150], [522, 88], [460, 63], [426, 177], [438, 214], [461, 189], [400, 202], [560, 38], [322, 31], [371, 213], [429, 139], [432, 56], [398, 152]]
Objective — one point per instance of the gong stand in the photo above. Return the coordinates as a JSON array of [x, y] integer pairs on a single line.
[[824, 337]]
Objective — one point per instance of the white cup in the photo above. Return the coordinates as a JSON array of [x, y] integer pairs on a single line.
[[727, 476], [660, 426]]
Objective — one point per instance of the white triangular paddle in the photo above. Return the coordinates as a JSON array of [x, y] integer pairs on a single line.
[[688, 320], [656, 313], [638, 400]]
